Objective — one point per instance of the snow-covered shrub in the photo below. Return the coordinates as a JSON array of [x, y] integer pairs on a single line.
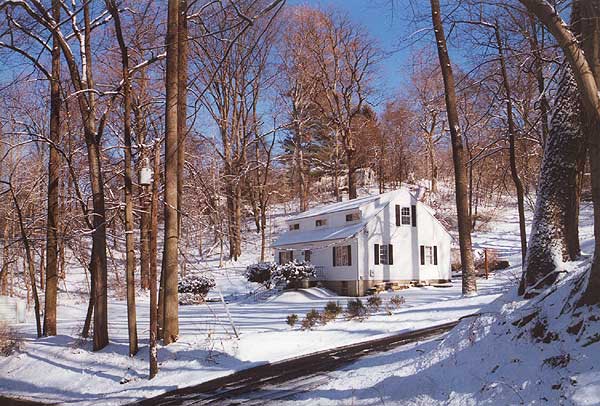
[[397, 301], [194, 288], [311, 319], [9, 340], [331, 311], [294, 272], [355, 309], [262, 273], [291, 320], [374, 303]]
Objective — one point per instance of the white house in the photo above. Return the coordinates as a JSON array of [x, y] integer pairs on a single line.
[[358, 244]]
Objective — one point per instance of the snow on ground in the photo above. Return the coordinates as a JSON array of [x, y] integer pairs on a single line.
[[499, 358], [64, 369]]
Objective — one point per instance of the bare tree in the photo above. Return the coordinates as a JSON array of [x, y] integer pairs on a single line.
[[129, 222], [554, 237], [170, 327], [512, 130], [53, 187], [469, 285]]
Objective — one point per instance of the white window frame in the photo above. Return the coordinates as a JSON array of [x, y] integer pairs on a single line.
[[405, 218], [320, 222], [341, 256], [307, 255], [294, 227], [286, 256], [428, 255], [384, 256]]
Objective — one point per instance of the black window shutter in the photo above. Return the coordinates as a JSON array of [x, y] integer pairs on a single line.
[[333, 250], [291, 255], [435, 255], [349, 254], [398, 220], [422, 255], [413, 212], [390, 254], [376, 254], [280, 255]]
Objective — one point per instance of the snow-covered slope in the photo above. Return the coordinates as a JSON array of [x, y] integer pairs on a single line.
[[64, 369]]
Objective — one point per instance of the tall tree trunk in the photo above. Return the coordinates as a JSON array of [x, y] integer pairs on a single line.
[[351, 163], [129, 222], [589, 30], [352, 193], [548, 242], [469, 278], [171, 237], [182, 55], [303, 184], [5, 258], [263, 229], [511, 141], [30, 265], [237, 220], [144, 239], [153, 355], [539, 75], [53, 188]]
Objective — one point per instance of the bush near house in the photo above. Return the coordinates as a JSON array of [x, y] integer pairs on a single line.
[[194, 288], [262, 273], [330, 312], [294, 271], [291, 273], [374, 303], [355, 309], [397, 301], [291, 320], [311, 319]]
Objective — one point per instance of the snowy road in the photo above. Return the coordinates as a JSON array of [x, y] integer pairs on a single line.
[[280, 380]]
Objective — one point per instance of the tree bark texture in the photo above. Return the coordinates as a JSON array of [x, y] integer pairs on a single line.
[[171, 237], [129, 222], [53, 188], [556, 194], [512, 134], [153, 355], [469, 277], [587, 25]]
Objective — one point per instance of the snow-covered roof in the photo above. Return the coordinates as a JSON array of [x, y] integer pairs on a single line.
[[325, 234], [335, 207]]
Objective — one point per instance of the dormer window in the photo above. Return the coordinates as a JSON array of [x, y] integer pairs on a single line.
[[406, 216], [320, 222], [353, 216], [295, 226]]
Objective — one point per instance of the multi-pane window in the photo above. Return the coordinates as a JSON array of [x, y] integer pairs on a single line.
[[342, 256], [429, 255], [384, 254], [406, 216], [295, 226], [285, 257], [307, 254], [320, 222], [353, 216]]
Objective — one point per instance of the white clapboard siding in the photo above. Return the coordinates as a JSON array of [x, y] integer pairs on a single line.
[[12, 310]]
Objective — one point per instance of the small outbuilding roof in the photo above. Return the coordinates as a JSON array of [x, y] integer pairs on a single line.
[[335, 207], [326, 234]]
